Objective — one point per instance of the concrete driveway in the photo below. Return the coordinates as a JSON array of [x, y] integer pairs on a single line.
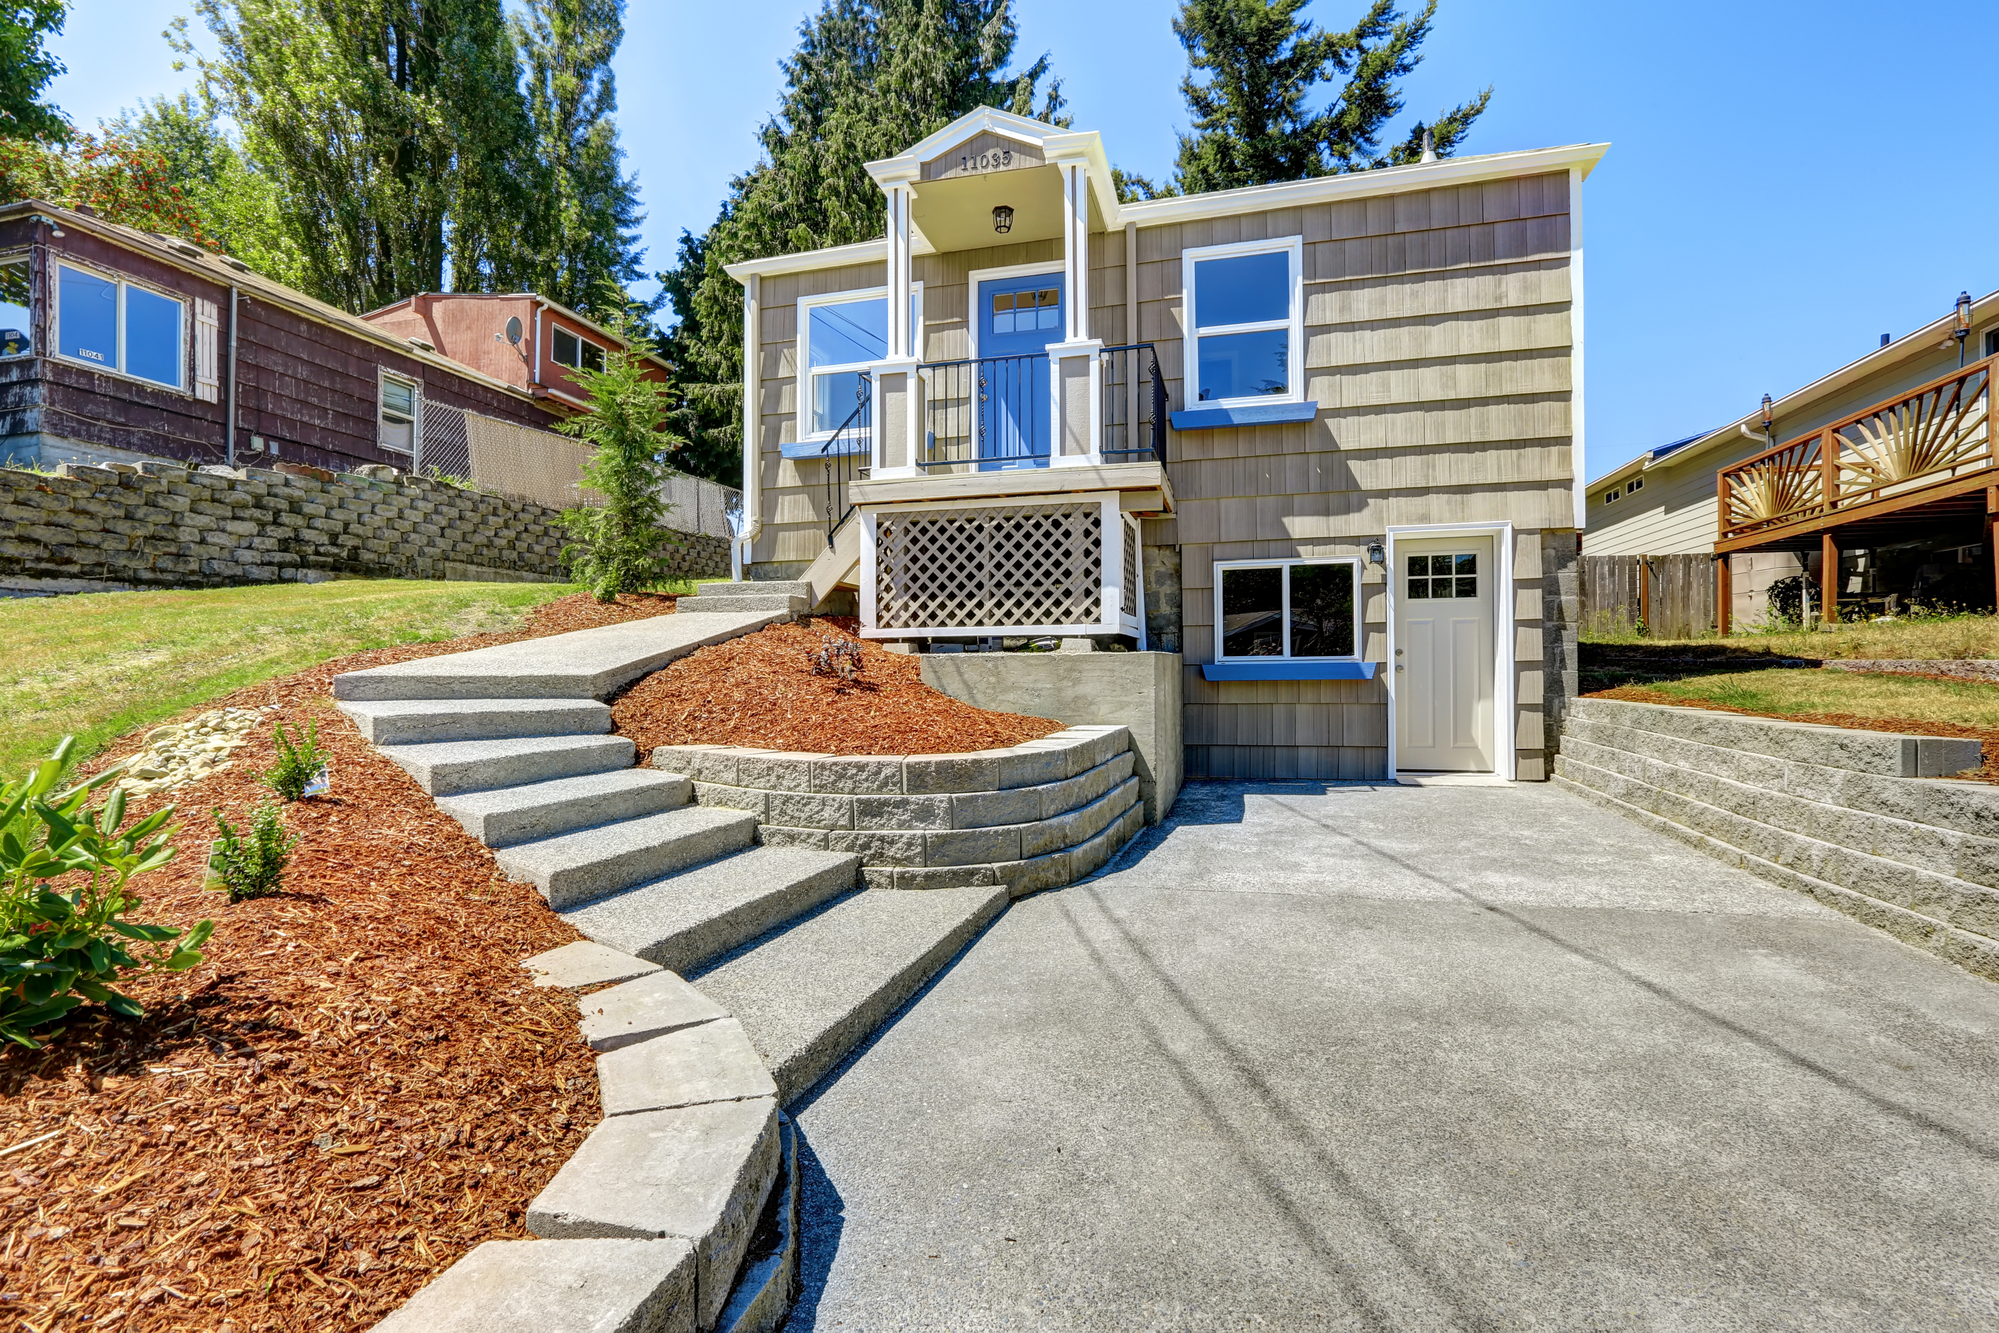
[[1395, 1058]]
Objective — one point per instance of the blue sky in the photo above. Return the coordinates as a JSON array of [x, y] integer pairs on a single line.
[[1787, 181]]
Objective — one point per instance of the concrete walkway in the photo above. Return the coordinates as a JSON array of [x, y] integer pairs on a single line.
[[1367, 1058]]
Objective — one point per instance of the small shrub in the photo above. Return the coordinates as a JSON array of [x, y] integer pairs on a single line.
[[299, 763], [836, 657], [62, 946], [250, 864]]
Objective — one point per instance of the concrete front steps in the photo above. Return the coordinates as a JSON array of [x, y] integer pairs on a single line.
[[662, 1208], [791, 597], [1860, 820]]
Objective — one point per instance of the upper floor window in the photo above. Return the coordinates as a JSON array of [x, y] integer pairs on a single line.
[[399, 404], [1287, 608], [16, 325], [114, 324], [576, 352], [1245, 315], [842, 335], [1610, 497]]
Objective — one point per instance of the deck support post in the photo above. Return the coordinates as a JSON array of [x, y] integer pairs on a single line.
[[1724, 596], [1829, 578], [1991, 550]]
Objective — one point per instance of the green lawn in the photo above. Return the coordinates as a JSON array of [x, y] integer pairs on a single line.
[[1788, 692], [1930, 637], [100, 664]]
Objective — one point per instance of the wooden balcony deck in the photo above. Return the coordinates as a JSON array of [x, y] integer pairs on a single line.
[[1913, 459]]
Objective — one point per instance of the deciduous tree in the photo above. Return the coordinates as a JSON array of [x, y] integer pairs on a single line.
[[26, 69]]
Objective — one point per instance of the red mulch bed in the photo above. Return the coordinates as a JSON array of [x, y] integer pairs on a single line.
[[760, 690], [358, 1085], [1989, 752]]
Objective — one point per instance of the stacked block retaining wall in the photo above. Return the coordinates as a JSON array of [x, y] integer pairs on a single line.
[[1034, 816], [1861, 820], [162, 525]]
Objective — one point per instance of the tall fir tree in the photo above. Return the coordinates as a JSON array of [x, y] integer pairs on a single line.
[[27, 69], [395, 131], [869, 78], [578, 244], [1252, 65]]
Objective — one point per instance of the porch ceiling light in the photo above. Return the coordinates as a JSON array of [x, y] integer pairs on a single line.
[[1003, 218]]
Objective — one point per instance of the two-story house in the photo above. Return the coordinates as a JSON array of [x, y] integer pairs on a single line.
[[1318, 438]]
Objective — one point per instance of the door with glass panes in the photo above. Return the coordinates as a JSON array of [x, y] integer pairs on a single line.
[[1444, 656], [1018, 318]]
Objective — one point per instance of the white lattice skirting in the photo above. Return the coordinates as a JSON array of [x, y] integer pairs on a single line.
[[1068, 566]]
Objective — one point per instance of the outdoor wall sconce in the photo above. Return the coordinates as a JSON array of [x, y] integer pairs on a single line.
[[1003, 218], [1766, 416], [1963, 329], [1376, 555]]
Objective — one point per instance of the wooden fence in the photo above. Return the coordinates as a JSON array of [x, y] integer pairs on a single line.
[[1663, 596]]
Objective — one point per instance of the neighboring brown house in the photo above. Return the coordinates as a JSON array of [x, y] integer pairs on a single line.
[[518, 338], [118, 345]]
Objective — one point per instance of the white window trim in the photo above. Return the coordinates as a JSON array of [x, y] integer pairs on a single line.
[[803, 354], [1352, 561], [382, 377], [185, 388], [26, 260], [554, 328], [975, 316], [1294, 322]]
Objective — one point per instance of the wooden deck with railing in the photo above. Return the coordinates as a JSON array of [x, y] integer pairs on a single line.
[[1932, 443]]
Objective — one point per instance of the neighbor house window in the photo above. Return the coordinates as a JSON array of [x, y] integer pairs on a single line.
[[16, 338], [1289, 608], [842, 337], [1610, 497], [400, 402], [113, 324], [577, 353], [1635, 484], [1245, 313]]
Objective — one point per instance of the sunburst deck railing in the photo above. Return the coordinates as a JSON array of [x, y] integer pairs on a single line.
[[1899, 448]]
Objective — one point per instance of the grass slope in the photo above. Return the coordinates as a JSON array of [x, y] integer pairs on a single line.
[[100, 664], [1787, 693], [1957, 637]]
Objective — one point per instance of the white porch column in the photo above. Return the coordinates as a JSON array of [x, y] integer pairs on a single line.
[[896, 414], [1077, 379]]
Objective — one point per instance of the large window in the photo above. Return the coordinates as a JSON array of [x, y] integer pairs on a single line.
[[842, 336], [576, 352], [1245, 309], [16, 325], [400, 403], [116, 325], [1289, 608]]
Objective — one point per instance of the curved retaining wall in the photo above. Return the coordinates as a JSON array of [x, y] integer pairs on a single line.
[[1029, 817]]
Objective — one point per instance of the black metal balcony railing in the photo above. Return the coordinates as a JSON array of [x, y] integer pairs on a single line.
[[1134, 404], [846, 455], [994, 411]]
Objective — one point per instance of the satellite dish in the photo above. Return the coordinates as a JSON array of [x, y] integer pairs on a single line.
[[514, 330]]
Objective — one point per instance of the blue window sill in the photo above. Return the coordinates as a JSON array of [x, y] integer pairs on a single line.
[[1281, 669], [804, 449], [1250, 414]]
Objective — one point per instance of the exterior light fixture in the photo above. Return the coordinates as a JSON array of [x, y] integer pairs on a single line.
[[1003, 218], [1376, 554], [1963, 329], [1766, 415]]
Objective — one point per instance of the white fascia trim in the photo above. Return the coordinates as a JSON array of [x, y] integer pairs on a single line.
[[810, 261], [1505, 758], [1364, 184], [964, 127]]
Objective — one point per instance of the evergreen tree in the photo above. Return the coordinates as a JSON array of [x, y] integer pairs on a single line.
[[869, 78], [583, 251], [234, 205], [26, 69], [1251, 67], [395, 133]]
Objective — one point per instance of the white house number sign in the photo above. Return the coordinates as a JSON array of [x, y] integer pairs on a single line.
[[997, 160]]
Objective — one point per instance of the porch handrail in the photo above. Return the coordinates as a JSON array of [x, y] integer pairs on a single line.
[[1930, 434], [842, 463], [970, 387], [1147, 386]]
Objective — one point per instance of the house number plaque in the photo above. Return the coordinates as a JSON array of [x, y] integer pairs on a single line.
[[997, 160]]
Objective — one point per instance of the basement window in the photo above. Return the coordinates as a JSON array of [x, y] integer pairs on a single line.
[[401, 401], [1286, 609], [1245, 308], [16, 324], [113, 324]]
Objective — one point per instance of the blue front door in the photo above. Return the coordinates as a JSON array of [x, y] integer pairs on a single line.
[[1018, 318]]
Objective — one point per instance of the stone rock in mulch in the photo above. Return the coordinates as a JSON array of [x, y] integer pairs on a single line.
[[182, 752], [585, 964]]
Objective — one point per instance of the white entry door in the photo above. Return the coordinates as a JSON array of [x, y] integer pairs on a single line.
[[1444, 655]]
